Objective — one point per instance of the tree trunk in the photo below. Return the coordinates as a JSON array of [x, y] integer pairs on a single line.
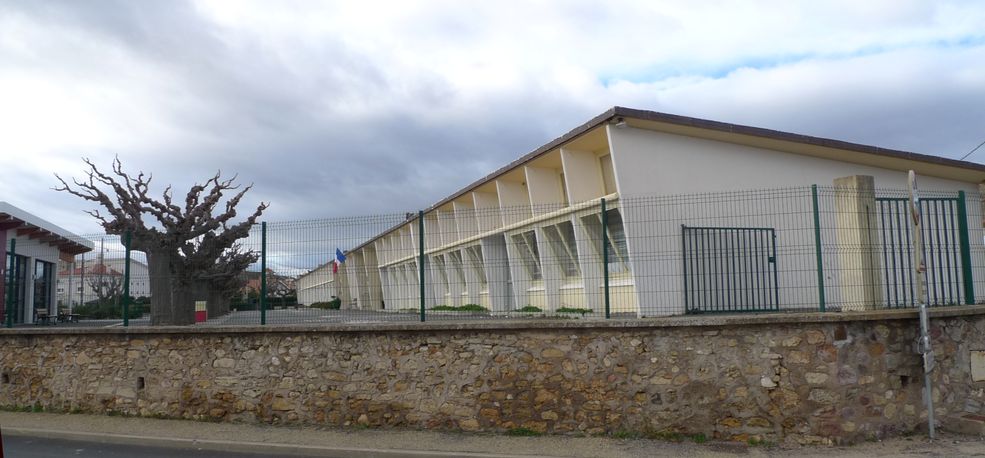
[[172, 300], [210, 291], [218, 302]]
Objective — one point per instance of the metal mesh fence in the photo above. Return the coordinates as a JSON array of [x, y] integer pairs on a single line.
[[779, 250]]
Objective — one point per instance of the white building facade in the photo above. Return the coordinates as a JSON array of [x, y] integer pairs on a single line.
[[531, 234], [79, 280], [37, 249]]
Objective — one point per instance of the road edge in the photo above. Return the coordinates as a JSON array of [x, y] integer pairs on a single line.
[[246, 447]]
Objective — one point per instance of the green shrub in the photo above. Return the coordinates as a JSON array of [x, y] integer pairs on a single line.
[[109, 310], [529, 308], [461, 308], [244, 306], [574, 310], [334, 304]]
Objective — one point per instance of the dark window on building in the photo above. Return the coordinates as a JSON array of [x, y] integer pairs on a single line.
[[43, 281], [20, 281]]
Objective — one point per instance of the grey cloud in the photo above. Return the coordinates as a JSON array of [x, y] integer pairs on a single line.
[[323, 130]]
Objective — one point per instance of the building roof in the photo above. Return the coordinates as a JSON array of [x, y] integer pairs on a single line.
[[648, 118], [28, 225], [733, 133]]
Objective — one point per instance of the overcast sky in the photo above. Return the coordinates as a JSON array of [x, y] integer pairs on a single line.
[[358, 108]]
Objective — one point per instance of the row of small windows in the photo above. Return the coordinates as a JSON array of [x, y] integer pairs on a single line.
[[560, 239]]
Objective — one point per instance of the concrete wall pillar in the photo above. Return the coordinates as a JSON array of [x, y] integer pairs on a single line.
[[858, 236], [498, 273]]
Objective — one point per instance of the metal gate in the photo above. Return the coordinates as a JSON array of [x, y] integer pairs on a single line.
[[729, 269], [945, 240]]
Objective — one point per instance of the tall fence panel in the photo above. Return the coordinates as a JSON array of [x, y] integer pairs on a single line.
[[729, 269], [943, 249], [489, 257]]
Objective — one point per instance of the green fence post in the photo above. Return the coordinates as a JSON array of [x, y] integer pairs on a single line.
[[969, 283], [605, 259], [817, 249], [263, 273], [420, 261], [126, 279], [10, 284]]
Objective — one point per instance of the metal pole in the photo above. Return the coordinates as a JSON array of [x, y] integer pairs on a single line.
[[817, 249], [605, 259], [82, 283], [126, 280], [10, 284], [102, 267], [965, 245], [923, 296], [420, 261], [71, 276], [263, 273]]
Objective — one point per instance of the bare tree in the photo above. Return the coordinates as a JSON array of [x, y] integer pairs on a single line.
[[178, 237], [106, 287]]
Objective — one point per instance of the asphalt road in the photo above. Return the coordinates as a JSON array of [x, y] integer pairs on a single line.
[[35, 447], [28, 434]]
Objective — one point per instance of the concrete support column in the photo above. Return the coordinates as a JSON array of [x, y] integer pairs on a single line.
[[473, 283], [373, 283], [981, 192], [498, 273], [550, 269], [386, 285], [858, 238], [520, 278]]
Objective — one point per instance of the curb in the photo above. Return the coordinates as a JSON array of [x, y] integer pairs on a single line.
[[274, 449], [966, 424]]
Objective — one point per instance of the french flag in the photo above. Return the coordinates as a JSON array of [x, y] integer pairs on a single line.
[[339, 259]]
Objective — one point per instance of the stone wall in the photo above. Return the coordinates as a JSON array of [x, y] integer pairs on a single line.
[[804, 377]]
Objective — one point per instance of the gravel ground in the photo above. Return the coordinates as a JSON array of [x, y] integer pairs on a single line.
[[226, 436]]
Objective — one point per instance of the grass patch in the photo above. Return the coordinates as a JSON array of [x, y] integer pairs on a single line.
[[529, 309], [674, 436], [757, 442], [522, 432], [15, 408], [669, 436], [622, 434], [460, 308], [583, 312]]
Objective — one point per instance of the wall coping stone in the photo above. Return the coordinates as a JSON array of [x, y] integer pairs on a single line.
[[746, 319]]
